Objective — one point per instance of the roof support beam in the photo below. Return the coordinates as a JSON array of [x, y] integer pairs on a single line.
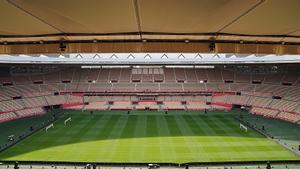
[[151, 47]]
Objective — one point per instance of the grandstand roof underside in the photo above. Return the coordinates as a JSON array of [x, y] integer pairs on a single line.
[[232, 21]]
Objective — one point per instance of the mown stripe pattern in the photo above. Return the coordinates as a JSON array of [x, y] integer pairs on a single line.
[[147, 138]]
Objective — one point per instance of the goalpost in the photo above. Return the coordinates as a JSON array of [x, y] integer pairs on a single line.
[[243, 127], [67, 120], [50, 126]]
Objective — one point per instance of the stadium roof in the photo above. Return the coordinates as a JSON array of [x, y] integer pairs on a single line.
[[249, 20], [150, 26]]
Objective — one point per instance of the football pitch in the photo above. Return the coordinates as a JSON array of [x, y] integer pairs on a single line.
[[114, 136]]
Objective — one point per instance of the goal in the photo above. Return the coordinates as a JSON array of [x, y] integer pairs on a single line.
[[67, 120], [243, 127], [49, 126]]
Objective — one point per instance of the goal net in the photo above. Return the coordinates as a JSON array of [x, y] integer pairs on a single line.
[[67, 120], [49, 126], [243, 127]]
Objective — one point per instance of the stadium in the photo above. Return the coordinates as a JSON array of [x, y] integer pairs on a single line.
[[137, 84]]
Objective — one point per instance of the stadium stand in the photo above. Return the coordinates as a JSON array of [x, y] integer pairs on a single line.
[[191, 75], [100, 87], [242, 77], [11, 105], [122, 87], [121, 105], [193, 87], [147, 105], [259, 101], [289, 116], [238, 99], [56, 100], [264, 112], [7, 116], [30, 112], [283, 105], [153, 87], [220, 98], [171, 87], [173, 105], [96, 106], [55, 89], [197, 105], [35, 102]]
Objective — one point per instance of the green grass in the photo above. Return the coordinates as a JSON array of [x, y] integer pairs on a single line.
[[21, 126], [277, 128], [147, 137]]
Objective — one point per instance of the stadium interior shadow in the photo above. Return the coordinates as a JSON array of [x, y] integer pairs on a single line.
[[107, 127]]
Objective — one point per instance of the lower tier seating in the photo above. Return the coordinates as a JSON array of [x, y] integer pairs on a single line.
[[30, 112], [7, 116], [264, 111]]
